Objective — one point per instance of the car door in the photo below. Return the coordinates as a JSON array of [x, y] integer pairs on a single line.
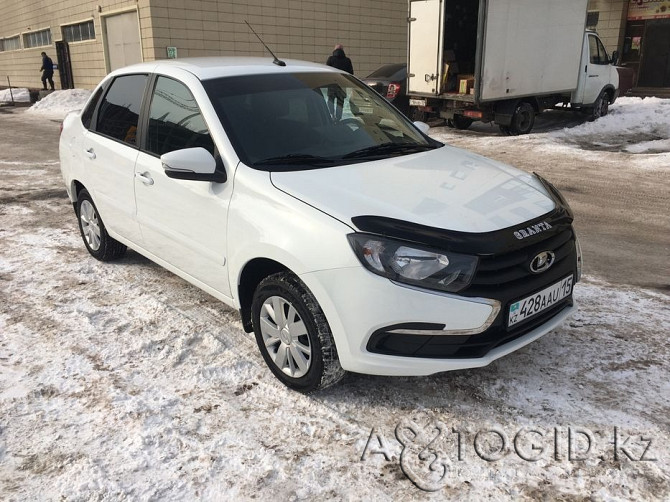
[[110, 150], [183, 223], [595, 70]]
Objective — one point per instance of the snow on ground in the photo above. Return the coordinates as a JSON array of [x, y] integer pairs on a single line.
[[20, 94], [60, 103], [634, 125]]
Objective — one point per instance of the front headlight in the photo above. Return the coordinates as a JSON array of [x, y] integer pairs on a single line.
[[404, 262]]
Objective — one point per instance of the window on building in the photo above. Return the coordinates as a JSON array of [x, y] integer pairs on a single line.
[[592, 18], [10, 44], [37, 39], [78, 32], [119, 111], [175, 121]]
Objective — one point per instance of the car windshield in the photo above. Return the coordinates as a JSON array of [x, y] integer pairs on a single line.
[[310, 120]]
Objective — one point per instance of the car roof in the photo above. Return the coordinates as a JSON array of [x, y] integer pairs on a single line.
[[214, 67]]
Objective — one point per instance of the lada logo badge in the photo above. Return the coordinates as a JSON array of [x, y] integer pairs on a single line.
[[542, 262]]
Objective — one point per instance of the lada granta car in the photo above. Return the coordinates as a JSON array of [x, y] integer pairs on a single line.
[[355, 243]]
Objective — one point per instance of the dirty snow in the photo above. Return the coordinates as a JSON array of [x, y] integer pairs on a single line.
[[634, 125], [20, 94], [60, 103], [121, 381]]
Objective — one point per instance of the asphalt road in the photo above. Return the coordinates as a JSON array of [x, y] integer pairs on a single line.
[[622, 214]]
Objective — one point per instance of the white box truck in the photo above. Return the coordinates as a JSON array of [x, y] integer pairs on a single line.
[[503, 61]]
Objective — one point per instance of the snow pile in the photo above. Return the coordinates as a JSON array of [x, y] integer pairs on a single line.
[[20, 94], [634, 125], [60, 103]]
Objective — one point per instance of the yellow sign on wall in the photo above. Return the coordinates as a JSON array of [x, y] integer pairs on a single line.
[[648, 9]]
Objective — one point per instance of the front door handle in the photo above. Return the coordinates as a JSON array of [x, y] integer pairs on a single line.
[[145, 178], [90, 153]]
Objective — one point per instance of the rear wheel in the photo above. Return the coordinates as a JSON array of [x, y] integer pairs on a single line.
[[96, 239], [461, 122], [522, 120], [293, 335]]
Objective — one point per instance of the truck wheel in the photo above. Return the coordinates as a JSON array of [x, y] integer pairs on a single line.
[[522, 120], [293, 335], [461, 122], [417, 115], [96, 239], [600, 107]]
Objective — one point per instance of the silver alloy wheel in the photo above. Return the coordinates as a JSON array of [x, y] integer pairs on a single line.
[[285, 337], [90, 224]]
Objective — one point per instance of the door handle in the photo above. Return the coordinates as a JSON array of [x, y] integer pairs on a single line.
[[145, 178], [90, 153]]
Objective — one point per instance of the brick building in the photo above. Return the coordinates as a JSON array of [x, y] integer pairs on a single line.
[[89, 39]]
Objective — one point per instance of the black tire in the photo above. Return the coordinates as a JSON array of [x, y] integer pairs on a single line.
[[285, 291], [523, 119], [93, 232], [505, 130], [600, 107], [461, 122], [416, 115]]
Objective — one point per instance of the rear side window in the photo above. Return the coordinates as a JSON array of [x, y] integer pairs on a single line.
[[175, 121], [87, 116], [120, 109]]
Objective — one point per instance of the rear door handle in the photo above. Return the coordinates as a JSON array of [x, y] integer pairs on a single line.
[[90, 153], [145, 178]]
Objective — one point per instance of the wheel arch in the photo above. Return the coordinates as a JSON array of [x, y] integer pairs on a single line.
[[251, 275]]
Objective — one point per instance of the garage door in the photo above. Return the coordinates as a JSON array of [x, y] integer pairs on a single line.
[[122, 39]]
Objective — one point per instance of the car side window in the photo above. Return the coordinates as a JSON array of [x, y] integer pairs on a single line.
[[87, 115], [120, 109], [175, 121], [597, 52]]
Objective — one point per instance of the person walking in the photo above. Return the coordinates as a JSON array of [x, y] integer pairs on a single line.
[[336, 95], [47, 71]]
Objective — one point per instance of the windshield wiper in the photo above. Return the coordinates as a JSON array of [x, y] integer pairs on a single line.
[[388, 148], [294, 158]]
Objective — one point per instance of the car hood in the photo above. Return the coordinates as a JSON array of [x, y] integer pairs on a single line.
[[445, 188]]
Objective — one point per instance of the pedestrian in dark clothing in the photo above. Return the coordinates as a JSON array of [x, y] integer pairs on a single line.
[[336, 95], [47, 71]]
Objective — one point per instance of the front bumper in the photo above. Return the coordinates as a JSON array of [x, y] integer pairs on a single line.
[[359, 306]]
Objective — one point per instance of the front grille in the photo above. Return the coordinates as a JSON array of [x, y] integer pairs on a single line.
[[505, 277]]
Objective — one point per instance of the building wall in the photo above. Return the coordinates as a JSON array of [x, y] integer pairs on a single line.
[[373, 32], [88, 62], [611, 22]]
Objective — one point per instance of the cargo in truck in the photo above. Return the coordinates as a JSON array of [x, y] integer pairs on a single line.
[[504, 61]]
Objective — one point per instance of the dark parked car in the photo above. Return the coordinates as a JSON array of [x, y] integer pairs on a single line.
[[390, 81]]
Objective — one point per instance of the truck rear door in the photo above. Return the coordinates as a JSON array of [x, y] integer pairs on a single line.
[[426, 27]]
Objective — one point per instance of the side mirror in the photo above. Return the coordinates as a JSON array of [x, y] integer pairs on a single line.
[[195, 164], [615, 58], [422, 126]]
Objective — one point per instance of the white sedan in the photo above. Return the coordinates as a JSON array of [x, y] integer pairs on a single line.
[[347, 238]]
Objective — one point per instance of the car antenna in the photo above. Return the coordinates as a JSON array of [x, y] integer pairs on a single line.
[[276, 60]]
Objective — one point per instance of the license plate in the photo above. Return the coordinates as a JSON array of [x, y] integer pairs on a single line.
[[417, 102], [538, 302]]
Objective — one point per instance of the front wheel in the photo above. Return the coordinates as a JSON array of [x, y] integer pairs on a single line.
[[600, 107], [293, 334], [96, 239]]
